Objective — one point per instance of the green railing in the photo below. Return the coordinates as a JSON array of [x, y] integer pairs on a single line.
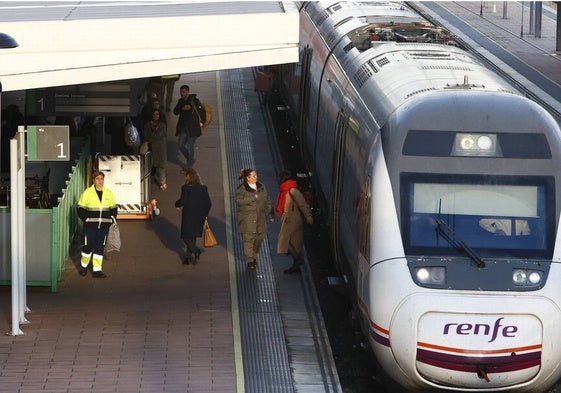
[[65, 219], [48, 231]]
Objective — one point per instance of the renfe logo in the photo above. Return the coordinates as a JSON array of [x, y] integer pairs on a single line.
[[481, 329]]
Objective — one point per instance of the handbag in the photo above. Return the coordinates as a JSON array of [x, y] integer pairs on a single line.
[[113, 242], [132, 137], [208, 237], [144, 148]]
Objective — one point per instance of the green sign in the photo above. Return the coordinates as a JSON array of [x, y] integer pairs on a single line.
[[48, 143]]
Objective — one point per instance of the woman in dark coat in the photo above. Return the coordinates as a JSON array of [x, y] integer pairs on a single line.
[[196, 204]]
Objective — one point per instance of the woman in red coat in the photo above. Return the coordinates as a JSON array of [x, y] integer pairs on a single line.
[[196, 204]]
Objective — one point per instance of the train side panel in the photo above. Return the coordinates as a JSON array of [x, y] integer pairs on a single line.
[[441, 183]]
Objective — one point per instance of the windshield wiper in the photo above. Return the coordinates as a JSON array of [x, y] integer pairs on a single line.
[[448, 233]]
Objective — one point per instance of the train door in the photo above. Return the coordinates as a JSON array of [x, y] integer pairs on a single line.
[[336, 197], [363, 238]]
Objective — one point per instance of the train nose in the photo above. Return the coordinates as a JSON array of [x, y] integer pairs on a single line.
[[473, 349], [478, 350]]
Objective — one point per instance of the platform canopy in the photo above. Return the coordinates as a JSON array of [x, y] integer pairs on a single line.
[[73, 42]]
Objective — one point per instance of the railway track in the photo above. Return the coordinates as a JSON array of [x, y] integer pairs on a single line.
[[490, 63]]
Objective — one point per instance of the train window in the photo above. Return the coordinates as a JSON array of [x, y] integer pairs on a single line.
[[510, 217], [429, 143], [524, 145]]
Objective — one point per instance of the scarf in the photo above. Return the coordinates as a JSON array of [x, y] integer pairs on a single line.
[[284, 189]]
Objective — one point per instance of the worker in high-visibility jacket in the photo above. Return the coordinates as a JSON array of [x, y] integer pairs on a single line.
[[97, 209]]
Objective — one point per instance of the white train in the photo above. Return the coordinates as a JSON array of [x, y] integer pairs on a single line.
[[441, 186]]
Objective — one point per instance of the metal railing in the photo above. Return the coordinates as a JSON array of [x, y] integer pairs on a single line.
[[65, 220], [53, 228]]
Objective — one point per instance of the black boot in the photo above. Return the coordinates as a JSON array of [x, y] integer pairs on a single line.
[[198, 253], [252, 264], [296, 262], [292, 269]]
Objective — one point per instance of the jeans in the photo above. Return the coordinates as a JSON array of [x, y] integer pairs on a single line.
[[187, 146]]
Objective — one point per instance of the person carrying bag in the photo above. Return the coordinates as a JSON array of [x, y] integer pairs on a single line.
[[208, 237], [113, 242], [194, 204]]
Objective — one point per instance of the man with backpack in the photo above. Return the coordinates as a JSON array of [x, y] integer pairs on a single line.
[[192, 116]]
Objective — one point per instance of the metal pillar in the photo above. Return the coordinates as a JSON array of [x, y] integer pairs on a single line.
[[538, 17], [531, 19], [17, 214], [558, 30], [522, 22]]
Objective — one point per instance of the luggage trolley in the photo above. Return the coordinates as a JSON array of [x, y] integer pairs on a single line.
[[128, 176]]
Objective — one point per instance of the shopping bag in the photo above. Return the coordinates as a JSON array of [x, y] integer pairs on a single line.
[[144, 148], [113, 242], [132, 137], [208, 237]]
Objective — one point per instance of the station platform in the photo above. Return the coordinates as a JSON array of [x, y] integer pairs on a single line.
[[508, 41], [156, 325]]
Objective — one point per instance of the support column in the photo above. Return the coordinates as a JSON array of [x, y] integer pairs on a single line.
[[558, 30], [538, 23]]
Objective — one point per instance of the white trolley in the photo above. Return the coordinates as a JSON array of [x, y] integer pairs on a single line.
[[128, 176]]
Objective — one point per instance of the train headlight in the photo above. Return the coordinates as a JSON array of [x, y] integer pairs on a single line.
[[475, 145], [431, 275], [523, 277]]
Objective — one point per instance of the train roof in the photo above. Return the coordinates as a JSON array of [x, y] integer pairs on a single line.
[[406, 70], [406, 64], [366, 22]]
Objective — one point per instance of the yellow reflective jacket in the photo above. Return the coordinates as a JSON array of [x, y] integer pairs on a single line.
[[94, 212]]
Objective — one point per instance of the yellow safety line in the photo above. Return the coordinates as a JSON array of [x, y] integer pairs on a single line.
[[238, 356]]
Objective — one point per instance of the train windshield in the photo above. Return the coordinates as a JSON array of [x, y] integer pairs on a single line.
[[507, 217]]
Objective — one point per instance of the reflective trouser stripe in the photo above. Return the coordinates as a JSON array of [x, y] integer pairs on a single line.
[[85, 259], [97, 262]]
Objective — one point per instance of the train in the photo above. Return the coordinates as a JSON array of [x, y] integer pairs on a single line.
[[439, 183]]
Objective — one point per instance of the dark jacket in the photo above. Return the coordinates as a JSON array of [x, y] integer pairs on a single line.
[[189, 119], [196, 204]]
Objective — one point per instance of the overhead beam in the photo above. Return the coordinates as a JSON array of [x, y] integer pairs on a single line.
[[67, 52]]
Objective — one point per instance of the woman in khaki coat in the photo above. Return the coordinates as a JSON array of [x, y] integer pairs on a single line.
[[293, 210], [155, 133], [254, 205]]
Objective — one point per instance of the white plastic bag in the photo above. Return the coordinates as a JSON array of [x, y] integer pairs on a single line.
[[113, 242]]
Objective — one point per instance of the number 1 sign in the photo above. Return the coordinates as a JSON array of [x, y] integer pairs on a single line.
[[48, 143]]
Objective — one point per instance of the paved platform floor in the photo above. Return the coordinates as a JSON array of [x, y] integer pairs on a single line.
[[154, 324]]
